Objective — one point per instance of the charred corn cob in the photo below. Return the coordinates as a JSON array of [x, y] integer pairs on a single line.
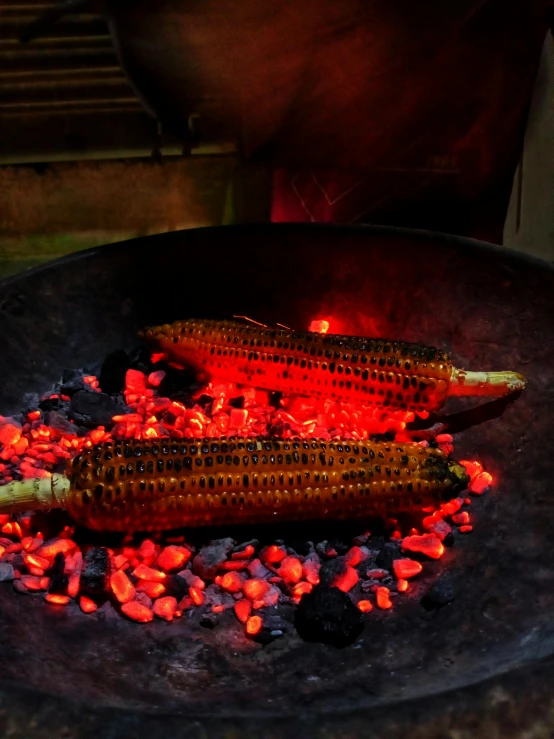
[[140, 486], [389, 374]]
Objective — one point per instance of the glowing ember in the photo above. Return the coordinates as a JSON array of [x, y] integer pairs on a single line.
[[165, 608], [383, 600], [142, 576], [254, 625], [319, 327], [365, 606], [291, 569], [243, 609], [427, 544], [122, 587], [137, 612], [406, 568], [255, 589]]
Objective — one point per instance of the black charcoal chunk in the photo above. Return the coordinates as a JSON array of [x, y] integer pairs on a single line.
[[58, 579], [71, 374], [273, 627], [331, 570], [141, 360], [275, 398], [328, 615], [237, 402], [176, 586], [441, 593], [208, 559], [60, 423], [449, 540], [6, 572], [51, 404], [241, 547], [94, 409], [387, 555], [113, 371], [176, 382], [209, 620], [97, 570], [204, 400]]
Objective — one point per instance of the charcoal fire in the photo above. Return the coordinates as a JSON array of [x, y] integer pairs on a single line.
[[227, 454]]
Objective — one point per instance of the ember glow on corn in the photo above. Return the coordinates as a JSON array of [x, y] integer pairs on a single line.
[[137, 485], [388, 374]]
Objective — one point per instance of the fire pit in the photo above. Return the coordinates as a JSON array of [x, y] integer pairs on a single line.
[[488, 308]]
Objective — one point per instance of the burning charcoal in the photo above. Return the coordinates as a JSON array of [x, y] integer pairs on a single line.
[[58, 422], [254, 543], [58, 580], [331, 570], [440, 594], [74, 386], [236, 402], [387, 555], [328, 615], [209, 620], [6, 572], [94, 409], [273, 627], [97, 570], [112, 372], [208, 559]]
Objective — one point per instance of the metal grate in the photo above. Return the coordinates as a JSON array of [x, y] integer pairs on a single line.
[[65, 96]]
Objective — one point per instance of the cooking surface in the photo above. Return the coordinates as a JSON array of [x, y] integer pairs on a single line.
[[492, 310]]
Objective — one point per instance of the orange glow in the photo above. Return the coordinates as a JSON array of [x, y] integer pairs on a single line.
[[165, 608], [246, 553], [427, 544], [319, 326], [173, 558], [453, 506], [197, 596], [254, 625], [310, 572], [231, 582], [120, 561], [57, 545], [347, 580], [58, 600], [148, 573], [461, 518], [291, 569], [243, 609], [256, 588], [472, 468], [122, 587], [353, 557], [481, 483], [402, 586], [365, 606], [152, 589], [300, 589], [35, 561], [137, 612], [466, 529], [406, 568], [73, 585], [33, 415], [87, 605], [233, 565], [383, 600], [272, 554], [32, 582]]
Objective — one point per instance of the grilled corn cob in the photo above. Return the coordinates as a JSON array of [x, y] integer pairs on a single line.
[[142, 486], [388, 374]]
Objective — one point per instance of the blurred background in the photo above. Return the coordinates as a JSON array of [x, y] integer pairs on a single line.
[[82, 163]]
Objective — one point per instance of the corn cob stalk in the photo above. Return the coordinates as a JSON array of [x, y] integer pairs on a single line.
[[140, 486], [389, 374]]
